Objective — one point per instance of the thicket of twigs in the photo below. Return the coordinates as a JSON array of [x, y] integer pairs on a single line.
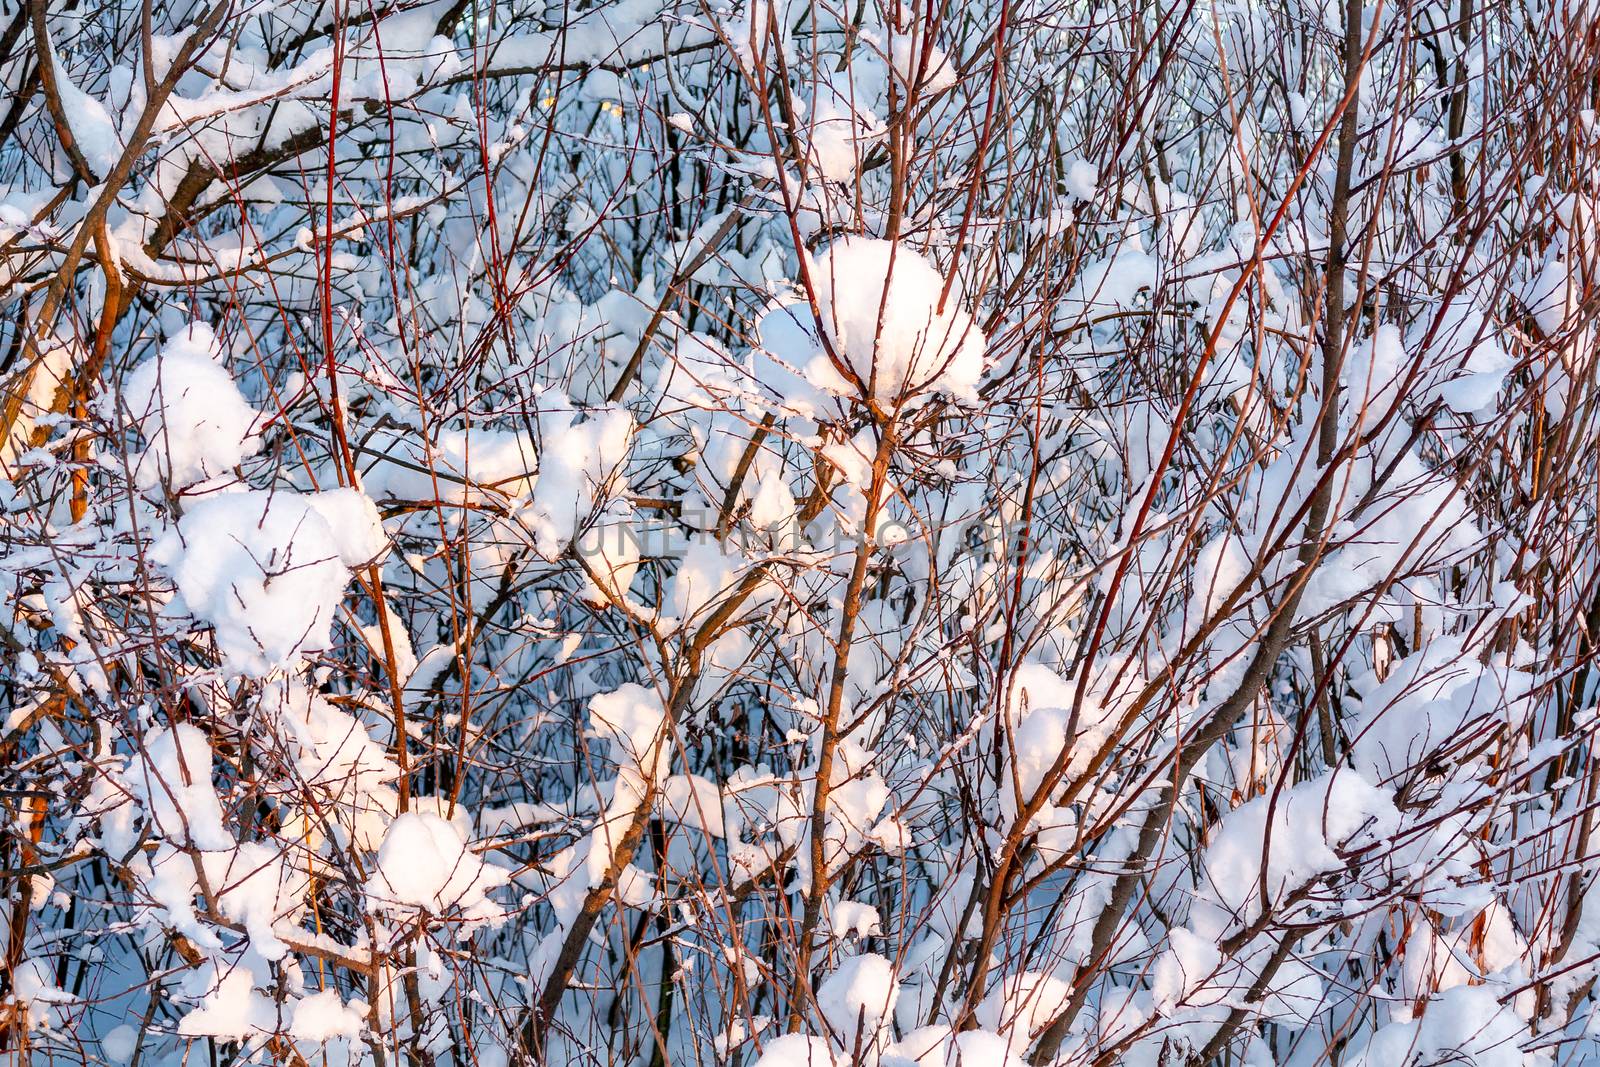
[[785, 533]]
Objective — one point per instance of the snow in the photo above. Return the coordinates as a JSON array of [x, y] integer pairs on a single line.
[[254, 886], [324, 1016], [119, 1043], [580, 453], [927, 1046], [693, 801], [1038, 711], [232, 1007], [173, 782], [974, 1047], [611, 551], [266, 571], [355, 523], [879, 303], [476, 464], [858, 999], [195, 422], [855, 802], [1109, 285], [1551, 295], [938, 1046], [1427, 700], [1465, 1024], [748, 34], [424, 863], [1188, 962], [1022, 1005], [1375, 373], [920, 64], [1308, 824], [92, 126], [706, 571], [1469, 361], [852, 917], [799, 1050], [167, 879], [42, 1001], [631, 718], [342, 768], [1082, 179], [840, 136]]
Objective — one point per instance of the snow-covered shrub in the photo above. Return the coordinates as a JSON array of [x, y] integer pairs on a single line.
[[651, 532]]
